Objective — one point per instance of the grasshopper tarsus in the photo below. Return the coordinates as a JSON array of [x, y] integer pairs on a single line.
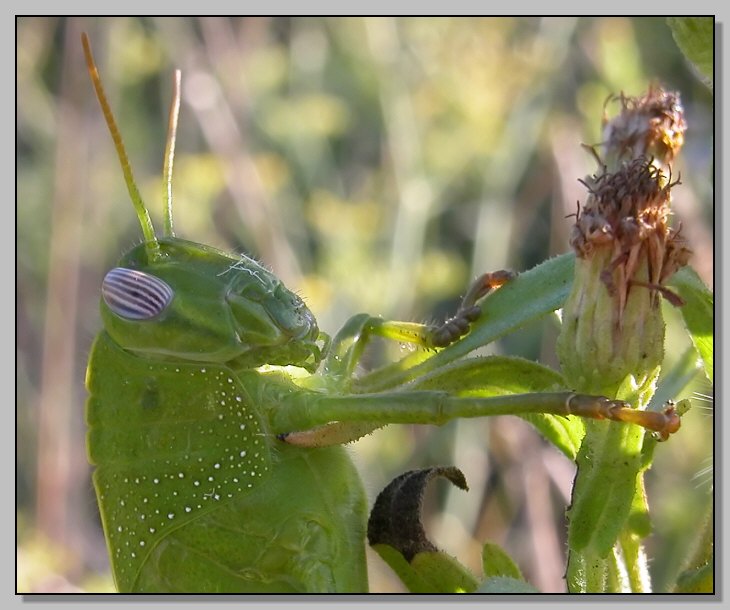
[[459, 325], [662, 423]]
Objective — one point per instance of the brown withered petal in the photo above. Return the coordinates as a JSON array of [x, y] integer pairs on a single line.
[[650, 125], [628, 211]]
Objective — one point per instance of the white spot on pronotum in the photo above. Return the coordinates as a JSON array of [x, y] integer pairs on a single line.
[[170, 515], [181, 475], [196, 483], [155, 481], [243, 453], [188, 509], [141, 543], [216, 465]]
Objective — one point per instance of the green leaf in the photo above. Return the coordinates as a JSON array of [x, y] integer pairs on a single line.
[[637, 568], [500, 375], [698, 313], [496, 562], [697, 580], [531, 295], [639, 522], [675, 380], [698, 573], [428, 572], [602, 502], [694, 37], [503, 584], [566, 433], [444, 572], [606, 485]]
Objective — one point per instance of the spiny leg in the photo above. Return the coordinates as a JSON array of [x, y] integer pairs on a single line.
[[443, 335], [349, 343], [432, 407], [457, 326]]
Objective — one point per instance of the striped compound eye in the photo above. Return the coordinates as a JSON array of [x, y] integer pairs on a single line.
[[135, 295]]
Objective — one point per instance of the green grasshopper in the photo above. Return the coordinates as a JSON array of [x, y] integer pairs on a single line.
[[217, 410]]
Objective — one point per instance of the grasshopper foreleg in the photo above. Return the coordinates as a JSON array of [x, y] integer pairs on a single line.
[[457, 326]]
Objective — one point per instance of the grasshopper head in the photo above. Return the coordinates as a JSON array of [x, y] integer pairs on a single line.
[[173, 299], [197, 303]]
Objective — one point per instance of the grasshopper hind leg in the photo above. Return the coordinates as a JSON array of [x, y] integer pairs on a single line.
[[336, 433]]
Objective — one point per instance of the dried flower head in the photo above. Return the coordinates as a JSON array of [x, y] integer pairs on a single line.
[[627, 214], [625, 249], [650, 125]]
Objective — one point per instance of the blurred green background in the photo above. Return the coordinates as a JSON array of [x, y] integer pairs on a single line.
[[375, 165]]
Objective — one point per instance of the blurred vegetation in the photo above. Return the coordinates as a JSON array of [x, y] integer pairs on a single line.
[[375, 165]]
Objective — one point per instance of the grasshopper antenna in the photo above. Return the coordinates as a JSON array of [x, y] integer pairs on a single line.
[[170, 152], [151, 244]]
